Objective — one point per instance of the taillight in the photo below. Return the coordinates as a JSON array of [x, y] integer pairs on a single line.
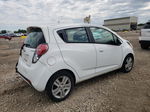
[[140, 32], [40, 50]]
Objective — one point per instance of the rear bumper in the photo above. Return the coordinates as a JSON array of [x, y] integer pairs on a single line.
[[33, 75], [146, 42], [143, 38], [27, 80]]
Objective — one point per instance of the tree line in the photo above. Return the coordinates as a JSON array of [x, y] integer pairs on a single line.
[[18, 31]]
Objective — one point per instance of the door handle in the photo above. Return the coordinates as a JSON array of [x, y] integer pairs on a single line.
[[101, 50]]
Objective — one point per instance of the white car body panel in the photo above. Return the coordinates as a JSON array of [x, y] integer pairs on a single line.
[[108, 57], [76, 56]]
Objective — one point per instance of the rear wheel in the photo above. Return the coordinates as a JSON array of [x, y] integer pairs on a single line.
[[128, 64], [60, 86], [144, 46]]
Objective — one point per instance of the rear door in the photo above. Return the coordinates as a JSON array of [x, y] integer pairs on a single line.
[[77, 51], [34, 38]]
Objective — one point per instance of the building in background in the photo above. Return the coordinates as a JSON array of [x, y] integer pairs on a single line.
[[122, 24]]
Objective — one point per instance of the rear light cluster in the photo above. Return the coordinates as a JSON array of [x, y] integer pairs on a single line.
[[40, 50], [140, 33]]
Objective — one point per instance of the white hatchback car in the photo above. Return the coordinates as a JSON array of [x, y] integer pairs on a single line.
[[144, 38], [56, 58]]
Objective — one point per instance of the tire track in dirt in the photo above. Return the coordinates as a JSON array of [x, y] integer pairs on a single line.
[[13, 90]]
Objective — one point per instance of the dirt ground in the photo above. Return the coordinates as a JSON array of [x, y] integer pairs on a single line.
[[112, 92]]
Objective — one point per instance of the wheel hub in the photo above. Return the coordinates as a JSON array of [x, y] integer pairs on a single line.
[[61, 87], [129, 64]]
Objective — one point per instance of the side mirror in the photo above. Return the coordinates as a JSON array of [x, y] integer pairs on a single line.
[[118, 42]]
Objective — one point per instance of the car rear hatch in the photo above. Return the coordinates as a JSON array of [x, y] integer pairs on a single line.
[[35, 37]]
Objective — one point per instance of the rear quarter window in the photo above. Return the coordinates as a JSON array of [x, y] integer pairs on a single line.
[[77, 35], [34, 38], [74, 35]]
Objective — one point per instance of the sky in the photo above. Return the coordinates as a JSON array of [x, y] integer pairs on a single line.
[[16, 14]]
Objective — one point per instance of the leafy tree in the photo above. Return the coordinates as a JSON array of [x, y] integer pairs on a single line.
[[20, 31], [3, 31], [141, 24]]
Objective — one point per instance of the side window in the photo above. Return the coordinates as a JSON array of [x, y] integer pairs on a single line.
[[102, 36], [61, 35], [117, 41], [77, 35]]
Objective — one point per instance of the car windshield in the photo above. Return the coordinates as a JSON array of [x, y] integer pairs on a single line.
[[34, 38]]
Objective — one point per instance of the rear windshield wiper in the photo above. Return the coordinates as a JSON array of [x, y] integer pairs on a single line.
[[27, 45]]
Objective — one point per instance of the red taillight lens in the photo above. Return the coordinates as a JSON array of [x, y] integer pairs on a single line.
[[40, 50]]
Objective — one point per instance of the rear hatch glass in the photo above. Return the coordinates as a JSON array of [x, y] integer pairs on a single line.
[[35, 37]]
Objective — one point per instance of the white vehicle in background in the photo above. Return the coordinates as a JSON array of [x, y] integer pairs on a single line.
[[144, 38], [19, 34], [55, 58]]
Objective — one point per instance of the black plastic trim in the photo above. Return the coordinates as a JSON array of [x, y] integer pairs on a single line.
[[144, 42]]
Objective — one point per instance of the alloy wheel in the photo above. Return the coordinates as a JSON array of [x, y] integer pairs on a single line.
[[129, 64], [61, 87]]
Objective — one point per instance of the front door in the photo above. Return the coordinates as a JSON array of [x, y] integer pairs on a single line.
[[109, 50]]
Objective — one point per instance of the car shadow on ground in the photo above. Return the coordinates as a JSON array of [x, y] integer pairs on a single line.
[[102, 77], [44, 99]]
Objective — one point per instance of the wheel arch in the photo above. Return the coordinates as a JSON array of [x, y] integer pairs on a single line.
[[62, 70], [129, 54]]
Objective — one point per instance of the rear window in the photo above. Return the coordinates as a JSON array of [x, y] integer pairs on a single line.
[[60, 33], [34, 38], [147, 26]]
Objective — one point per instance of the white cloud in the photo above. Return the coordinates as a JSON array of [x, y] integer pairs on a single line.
[[27, 12], [147, 7]]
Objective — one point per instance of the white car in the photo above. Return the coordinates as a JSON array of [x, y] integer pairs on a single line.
[[55, 58], [144, 38]]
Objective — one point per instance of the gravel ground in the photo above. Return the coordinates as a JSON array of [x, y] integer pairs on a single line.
[[112, 92]]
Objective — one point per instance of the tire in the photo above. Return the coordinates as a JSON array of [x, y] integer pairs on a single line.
[[60, 86], [127, 66], [143, 46]]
